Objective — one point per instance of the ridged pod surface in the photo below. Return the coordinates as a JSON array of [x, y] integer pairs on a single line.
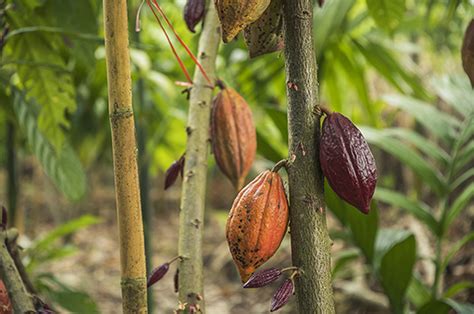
[[234, 138], [235, 15], [5, 304], [347, 162], [266, 34], [257, 222]]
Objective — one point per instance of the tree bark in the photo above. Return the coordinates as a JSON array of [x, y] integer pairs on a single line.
[[21, 299], [127, 191], [195, 171], [310, 243]]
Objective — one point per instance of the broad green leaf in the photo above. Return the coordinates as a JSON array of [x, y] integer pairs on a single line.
[[280, 119], [417, 292], [266, 149], [363, 227], [62, 166], [417, 208], [342, 260], [395, 257], [439, 123], [457, 92], [408, 156], [329, 19], [387, 65], [457, 288], [420, 142], [459, 204], [434, 307], [387, 13]]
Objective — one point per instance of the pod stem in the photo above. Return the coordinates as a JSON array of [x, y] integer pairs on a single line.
[[220, 84], [325, 110], [279, 165]]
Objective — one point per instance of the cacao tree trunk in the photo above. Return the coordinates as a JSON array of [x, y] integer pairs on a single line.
[[195, 170], [310, 243], [127, 191]]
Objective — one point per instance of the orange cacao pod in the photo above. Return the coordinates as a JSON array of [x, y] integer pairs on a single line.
[[257, 222], [234, 139], [5, 304]]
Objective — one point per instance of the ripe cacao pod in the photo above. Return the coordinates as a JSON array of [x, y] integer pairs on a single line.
[[234, 139], [235, 15], [347, 162], [467, 52], [257, 222], [266, 34], [5, 304]]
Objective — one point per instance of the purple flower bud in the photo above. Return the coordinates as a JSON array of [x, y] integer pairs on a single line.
[[176, 280], [173, 171], [321, 3], [193, 13], [282, 295], [4, 221], [263, 278], [157, 274]]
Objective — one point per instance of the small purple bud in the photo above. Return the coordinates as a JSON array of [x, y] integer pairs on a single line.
[[173, 171], [4, 221], [263, 278], [193, 13], [321, 3], [157, 274], [282, 295]]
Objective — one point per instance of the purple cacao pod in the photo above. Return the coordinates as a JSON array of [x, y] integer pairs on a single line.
[[263, 278], [347, 162], [157, 274], [193, 13], [282, 295], [173, 171]]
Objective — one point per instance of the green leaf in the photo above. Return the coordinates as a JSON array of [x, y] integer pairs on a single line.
[[363, 227], [455, 248], [280, 119], [460, 308], [395, 257], [417, 208], [457, 92], [387, 13], [417, 292], [420, 142], [63, 166], [457, 288], [439, 123], [328, 20], [342, 260], [266, 149], [434, 307], [408, 156], [459, 204], [462, 178]]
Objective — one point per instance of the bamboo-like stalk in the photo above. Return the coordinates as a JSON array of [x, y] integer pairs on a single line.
[[127, 191], [310, 243], [194, 185]]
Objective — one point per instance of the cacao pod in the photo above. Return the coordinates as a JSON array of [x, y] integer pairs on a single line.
[[193, 13], [234, 139], [347, 162], [467, 52], [235, 15], [257, 222], [266, 34], [5, 304], [282, 295]]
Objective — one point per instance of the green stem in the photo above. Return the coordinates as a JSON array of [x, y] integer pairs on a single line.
[[310, 242], [193, 193]]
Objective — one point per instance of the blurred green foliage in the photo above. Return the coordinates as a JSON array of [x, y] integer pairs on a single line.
[[375, 58]]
